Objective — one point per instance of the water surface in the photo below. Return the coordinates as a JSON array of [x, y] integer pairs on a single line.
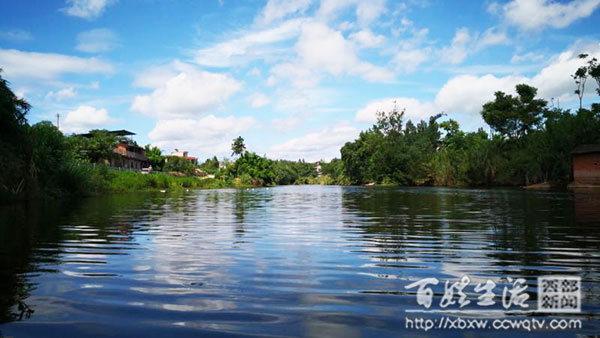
[[286, 261]]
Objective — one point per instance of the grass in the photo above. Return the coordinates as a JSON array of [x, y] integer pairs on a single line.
[[80, 180], [133, 181], [102, 179]]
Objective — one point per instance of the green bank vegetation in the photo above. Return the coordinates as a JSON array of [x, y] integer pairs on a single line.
[[38, 161], [529, 142]]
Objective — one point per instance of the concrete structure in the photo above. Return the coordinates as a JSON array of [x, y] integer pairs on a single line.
[[586, 164], [131, 156]]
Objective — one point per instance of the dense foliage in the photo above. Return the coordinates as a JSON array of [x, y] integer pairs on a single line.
[[154, 155], [15, 157], [531, 144], [100, 146], [238, 147], [178, 164], [252, 169]]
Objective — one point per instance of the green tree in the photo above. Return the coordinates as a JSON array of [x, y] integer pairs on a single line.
[[50, 153], [16, 149], [154, 155], [390, 123], [252, 169], [291, 172], [514, 116], [178, 164], [333, 169], [594, 72], [100, 146], [580, 76], [238, 147], [392, 153], [591, 69]]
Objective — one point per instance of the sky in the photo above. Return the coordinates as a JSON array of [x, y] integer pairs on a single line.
[[296, 79]]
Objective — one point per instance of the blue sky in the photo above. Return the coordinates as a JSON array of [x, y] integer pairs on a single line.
[[297, 79]]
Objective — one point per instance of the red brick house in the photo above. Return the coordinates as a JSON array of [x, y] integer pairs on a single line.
[[586, 164], [131, 156], [184, 155]]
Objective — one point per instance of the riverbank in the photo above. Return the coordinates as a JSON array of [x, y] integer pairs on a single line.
[[101, 180]]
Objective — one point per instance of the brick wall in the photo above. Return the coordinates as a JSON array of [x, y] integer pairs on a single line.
[[586, 168]]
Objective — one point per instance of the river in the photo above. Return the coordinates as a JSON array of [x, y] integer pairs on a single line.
[[298, 261]]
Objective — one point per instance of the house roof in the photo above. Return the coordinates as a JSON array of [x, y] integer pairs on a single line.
[[121, 132], [586, 149]]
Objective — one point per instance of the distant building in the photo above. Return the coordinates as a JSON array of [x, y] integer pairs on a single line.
[[586, 164], [131, 156], [184, 155]]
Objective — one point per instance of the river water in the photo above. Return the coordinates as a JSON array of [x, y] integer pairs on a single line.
[[298, 261]]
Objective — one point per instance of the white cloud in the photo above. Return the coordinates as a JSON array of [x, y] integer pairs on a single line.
[[369, 11], [366, 11], [529, 56], [87, 9], [48, 66], [96, 40], [304, 103], [366, 38], [346, 25], [407, 61], [321, 48], [496, 69], [415, 110], [286, 124], [463, 96], [324, 144], [205, 136], [190, 92], [458, 50], [259, 100], [156, 77], [467, 93], [331, 8], [492, 37], [62, 94], [412, 51], [250, 46], [16, 35], [555, 81], [85, 118], [254, 72], [299, 75], [278, 9], [465, 43], [539, 14]]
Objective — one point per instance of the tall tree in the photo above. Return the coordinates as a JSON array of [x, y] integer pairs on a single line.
[[15, 147], [390, 123], [580, 76], [238, 147], [100, 146], [515, 116], [154, 155], [594, 72]]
